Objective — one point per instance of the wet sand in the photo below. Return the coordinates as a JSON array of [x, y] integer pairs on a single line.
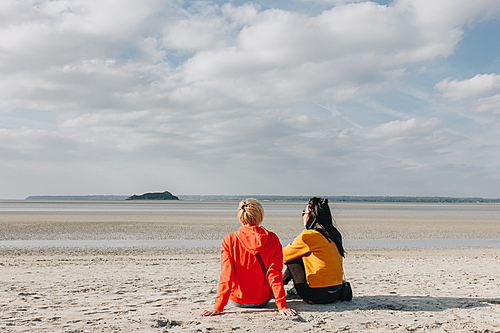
[[356, 221]]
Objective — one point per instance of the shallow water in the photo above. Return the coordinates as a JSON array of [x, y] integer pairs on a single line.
[[214, 244], [202, 224]]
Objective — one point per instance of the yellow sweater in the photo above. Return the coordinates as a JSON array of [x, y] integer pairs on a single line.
[[322, 265]]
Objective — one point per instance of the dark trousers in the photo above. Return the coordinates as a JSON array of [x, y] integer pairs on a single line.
[[295, 271]]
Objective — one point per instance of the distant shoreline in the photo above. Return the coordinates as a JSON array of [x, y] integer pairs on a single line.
[[78, 197], [407, 199], [344, 198]]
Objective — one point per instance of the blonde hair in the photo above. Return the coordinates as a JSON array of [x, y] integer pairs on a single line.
[[250, 212]]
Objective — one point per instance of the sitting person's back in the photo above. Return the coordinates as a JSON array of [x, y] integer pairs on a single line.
[[251, 265]]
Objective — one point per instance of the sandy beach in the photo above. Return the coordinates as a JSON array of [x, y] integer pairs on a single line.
[[402, 290], [422, 289]]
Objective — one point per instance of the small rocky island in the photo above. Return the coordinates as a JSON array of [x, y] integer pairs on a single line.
[[154, 196]]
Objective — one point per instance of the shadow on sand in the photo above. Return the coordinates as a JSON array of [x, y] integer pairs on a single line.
[[397, 303]]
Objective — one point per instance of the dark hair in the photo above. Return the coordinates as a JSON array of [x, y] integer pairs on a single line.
[[321, 220]]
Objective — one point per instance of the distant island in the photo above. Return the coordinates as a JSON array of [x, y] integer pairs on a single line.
[[154, 196]]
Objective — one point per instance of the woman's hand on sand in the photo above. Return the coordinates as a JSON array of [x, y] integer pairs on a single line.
[[288, 312], [211, 312]]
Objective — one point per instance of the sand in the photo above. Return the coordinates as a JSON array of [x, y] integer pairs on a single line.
[[165, 290], [401, 290]]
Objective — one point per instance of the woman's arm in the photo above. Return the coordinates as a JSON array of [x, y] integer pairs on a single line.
[[225, 280], [274, 272], [296, 249], [275, 279]]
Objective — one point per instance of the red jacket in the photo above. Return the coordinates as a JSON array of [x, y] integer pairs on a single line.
[[241, 278]]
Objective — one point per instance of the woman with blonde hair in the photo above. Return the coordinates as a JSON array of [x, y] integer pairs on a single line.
[[251, 265]]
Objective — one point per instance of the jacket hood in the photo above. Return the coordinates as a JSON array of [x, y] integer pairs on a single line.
[[252, 238]]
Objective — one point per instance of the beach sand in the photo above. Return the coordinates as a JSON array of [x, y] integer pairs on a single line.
[[165, 290], [401, 290]]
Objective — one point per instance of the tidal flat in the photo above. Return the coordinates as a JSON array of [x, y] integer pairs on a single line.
[[67, 286], [206, 222]]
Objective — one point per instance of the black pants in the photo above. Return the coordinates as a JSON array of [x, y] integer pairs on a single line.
[[295, 270]]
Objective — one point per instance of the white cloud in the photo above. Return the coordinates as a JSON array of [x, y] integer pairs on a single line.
[[448, 13], [93, 119], [27, 144], [201, 30], [242, 15], [243, 56], [205, 88], [491, 104], [479, 85], [351, 47], [394, 129], [398, 138]]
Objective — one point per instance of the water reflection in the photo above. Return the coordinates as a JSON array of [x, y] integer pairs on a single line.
[[214, 244]]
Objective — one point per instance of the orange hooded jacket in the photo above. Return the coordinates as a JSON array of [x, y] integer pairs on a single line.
[[241, 278]]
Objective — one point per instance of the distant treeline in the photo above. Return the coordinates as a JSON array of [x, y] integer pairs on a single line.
[[77, 197], [343, 198]]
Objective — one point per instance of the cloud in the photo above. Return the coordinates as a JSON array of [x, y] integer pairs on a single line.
[[291, 54], [479, 85], [401, 141], [394, 129], [200, 91], [486, 104], [202, 29], [27, 144], [242, 56]]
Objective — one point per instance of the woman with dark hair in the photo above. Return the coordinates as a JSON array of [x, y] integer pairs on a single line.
[[314, 259]]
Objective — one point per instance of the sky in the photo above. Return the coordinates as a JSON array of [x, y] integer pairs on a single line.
[[278, 97]]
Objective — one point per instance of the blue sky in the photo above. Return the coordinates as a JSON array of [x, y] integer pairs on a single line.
[[267, 97]]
